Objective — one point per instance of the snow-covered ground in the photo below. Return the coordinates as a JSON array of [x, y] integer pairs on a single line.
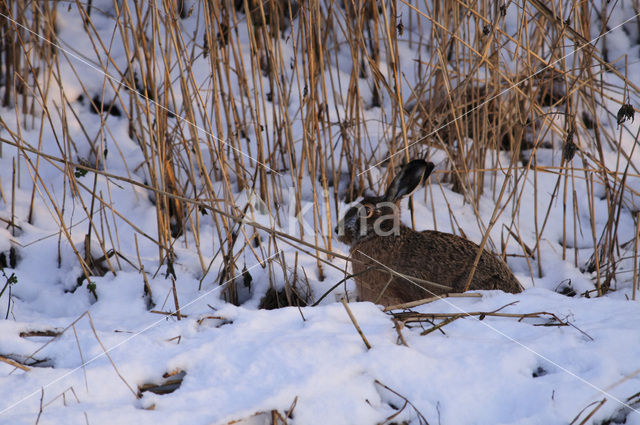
[[578, 355]]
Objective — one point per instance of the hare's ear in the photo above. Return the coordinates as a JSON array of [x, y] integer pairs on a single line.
[[408, 179]]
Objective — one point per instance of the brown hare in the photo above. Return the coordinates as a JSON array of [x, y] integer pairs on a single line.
[[441, 262]]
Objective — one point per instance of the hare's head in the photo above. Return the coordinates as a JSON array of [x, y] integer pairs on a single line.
[[380, 215]]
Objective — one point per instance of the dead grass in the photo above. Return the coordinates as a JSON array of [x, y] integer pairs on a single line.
[[478, 89]]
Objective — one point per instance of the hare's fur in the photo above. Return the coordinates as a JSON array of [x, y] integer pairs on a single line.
[[432, 257], [441, 258]]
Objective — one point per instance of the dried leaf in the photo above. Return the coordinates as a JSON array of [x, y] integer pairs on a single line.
[[626, 112]]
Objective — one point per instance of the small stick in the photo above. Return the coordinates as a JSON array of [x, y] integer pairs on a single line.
[[384, 289], [106, 353], [14, 363], [40, 410], [422, 419], [84, 370], [13, 198], [147, 286], [398, 325], [595, 409], [30, 356], [340, 283], [635, 257], [289, 412], [412, 317], [623, 379], [355, 323], [175, 298], [63, 396], [440, 325], [416, 303], [167, 313], [1, 191]]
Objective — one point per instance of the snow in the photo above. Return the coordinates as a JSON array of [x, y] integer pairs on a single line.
[[476, 372], [241, 362]]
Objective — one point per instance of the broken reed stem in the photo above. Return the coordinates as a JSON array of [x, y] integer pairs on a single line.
[[423, 301], [636, 282], [175, 298], [147, 286], [41, 407], [63, 396], [398, 325], [106, 353], [355, 323], [13, 197], [168, 313], [413, 317], [591, 413], [84, 370], [14, 364]]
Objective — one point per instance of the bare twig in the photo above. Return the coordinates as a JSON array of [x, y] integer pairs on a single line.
[[355, 323]]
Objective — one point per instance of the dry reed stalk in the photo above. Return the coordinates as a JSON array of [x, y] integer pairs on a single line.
[[597, 407], [417, 303], [14, 364], [58, 216], [201, 204], [194, 134], [635, 281], [84, 371], [355, 324], [175, 298], [106, 353]]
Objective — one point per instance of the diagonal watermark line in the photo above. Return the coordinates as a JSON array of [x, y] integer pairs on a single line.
[[104, 353], [514, 85], [526, 347], [134, 90]]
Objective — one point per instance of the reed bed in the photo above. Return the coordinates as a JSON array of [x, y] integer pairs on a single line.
[[246, 113]]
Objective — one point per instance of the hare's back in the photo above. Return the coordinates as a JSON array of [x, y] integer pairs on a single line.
[[454, 255]]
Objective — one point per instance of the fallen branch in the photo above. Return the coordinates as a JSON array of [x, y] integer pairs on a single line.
[[414, 317]]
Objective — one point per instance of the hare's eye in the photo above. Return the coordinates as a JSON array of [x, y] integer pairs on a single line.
[[368, 210]]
